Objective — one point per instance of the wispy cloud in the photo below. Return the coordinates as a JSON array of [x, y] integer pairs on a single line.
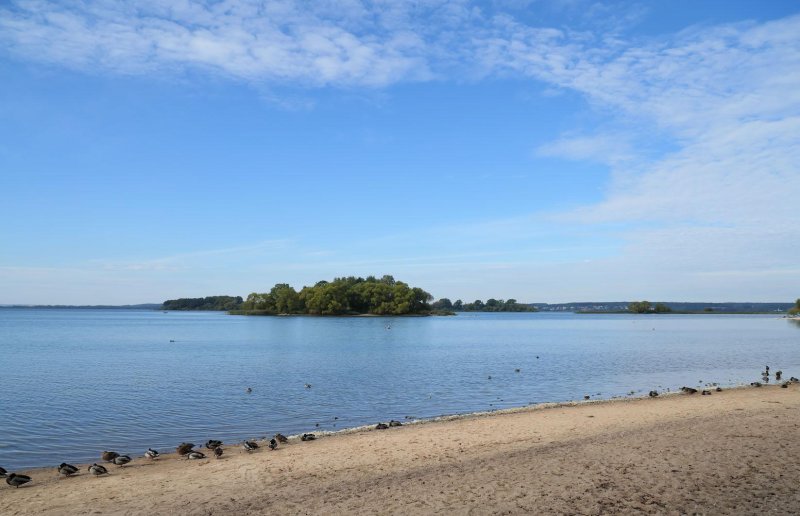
[[701, 130], [316, 43]]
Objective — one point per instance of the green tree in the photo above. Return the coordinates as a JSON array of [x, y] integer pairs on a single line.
[[796, 309], [285, 299], [661, 308], [639, 307]]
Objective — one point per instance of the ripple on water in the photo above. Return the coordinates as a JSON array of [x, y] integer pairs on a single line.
[[89, 380]]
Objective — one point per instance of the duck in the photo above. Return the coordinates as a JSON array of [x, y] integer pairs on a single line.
[[395, 423], [108, 456], [67, 469], [97, 470], [308, 386], [218, 452], [250, 446], [381, 426], [213, 443], [184, 448], [273, 444], [281, 438], [151, 454], [195, 455], [248, 390], [3, 473], [122, 460], [16, 480], [308, 437]]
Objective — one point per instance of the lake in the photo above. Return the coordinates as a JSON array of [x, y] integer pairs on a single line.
[[79, 381]]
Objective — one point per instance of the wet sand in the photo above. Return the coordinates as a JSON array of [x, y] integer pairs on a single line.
[[734, 452]]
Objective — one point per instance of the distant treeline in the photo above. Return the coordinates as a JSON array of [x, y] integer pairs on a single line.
[[224, 303], [342, 296], [491, 305], [671, 306]]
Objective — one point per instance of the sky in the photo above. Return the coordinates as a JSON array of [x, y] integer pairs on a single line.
[[546, 151]]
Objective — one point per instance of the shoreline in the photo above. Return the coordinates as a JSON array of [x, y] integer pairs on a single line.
[[320, 433], [353, 470], [531, 407]]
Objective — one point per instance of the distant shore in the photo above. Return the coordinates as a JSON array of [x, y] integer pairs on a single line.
[[736, 451]]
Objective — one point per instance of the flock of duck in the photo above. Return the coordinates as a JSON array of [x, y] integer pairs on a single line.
[[214, 446], [186, 450]]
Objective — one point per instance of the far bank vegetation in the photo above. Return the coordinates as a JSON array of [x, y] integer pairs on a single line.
[[342, 296]]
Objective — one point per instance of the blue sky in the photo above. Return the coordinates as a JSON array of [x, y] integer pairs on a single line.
[[543, 151]]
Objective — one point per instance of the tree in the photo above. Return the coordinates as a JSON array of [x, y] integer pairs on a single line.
[[639, 307], [285, 299], [661, 308], [796, 309], [458, 305], [442, 304]]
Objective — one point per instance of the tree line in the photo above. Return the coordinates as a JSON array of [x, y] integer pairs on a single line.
[[491, 305], [644, 307], [342, 296], [203, 303]]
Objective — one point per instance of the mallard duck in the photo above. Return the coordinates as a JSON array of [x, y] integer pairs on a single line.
[[17, 480], [381, 426], [249, 446], [97, 470], [67, 469], [122, 460], [395, 423], [195, 455], [151, 454], [281, 438], [108, 456], [218, 452], [308, 437], [213, 443], [3, 473], [273, 444], [184, 448]]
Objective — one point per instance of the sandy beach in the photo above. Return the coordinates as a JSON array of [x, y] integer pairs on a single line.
[[734, 452]]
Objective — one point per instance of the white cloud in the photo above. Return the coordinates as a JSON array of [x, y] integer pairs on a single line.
[[311, 43], [702, 128]]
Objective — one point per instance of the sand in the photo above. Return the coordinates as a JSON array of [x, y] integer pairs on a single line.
[[734, 452]]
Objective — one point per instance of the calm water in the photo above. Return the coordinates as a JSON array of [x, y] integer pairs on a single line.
[[76, 382]]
